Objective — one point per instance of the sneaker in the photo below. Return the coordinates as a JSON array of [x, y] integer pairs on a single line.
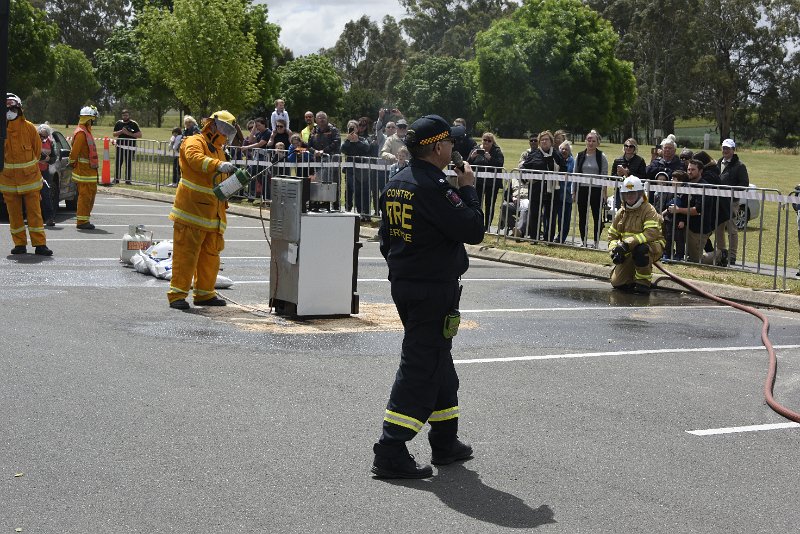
[[85, 226], [400, 466], [722, 261], [19, 249], [213, 301], [180, 304], [42, 250], [456, 452], [51, 222]]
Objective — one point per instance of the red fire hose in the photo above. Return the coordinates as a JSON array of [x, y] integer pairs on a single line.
[[773, 360]]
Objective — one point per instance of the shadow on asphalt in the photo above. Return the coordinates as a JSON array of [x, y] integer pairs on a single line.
[[462, 490]]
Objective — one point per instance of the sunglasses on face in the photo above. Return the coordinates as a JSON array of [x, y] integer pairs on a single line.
[[629, 146], [280, 126]]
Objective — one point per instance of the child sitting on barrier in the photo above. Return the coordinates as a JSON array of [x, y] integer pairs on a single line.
[[635, 239]]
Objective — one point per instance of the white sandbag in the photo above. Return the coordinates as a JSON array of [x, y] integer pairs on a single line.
[[223, 282], [160, 268]]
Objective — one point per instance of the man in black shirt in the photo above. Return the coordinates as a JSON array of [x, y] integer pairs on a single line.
[[127, 132], [425, 222]]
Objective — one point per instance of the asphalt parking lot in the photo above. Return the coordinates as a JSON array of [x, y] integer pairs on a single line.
[[589, 411]]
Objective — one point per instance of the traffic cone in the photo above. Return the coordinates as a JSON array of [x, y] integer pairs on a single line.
[[105, 177]]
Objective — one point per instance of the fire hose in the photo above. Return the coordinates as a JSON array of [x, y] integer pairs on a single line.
[[769, 383]]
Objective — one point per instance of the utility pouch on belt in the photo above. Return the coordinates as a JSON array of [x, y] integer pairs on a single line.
[[451, 322], [452, 319]]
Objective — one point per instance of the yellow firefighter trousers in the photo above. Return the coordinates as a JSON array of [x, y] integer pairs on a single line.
[[195, 256], [17, 222], [86, 193], [630, 273]]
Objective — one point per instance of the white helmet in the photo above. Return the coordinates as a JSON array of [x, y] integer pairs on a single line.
[[89, 111], [15, 99], [161, 250], [631, 183]]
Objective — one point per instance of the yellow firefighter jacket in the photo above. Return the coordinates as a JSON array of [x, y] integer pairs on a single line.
[[80, 157], [636, 226], [195, 202], [23, 147]]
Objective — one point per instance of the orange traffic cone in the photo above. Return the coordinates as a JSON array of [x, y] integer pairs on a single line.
[[105, 177]]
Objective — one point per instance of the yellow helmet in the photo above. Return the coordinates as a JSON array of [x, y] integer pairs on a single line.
[[225, 122]]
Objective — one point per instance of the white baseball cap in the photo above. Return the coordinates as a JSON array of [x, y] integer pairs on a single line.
[[728, 143]]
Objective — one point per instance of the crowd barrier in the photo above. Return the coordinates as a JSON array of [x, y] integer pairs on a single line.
[[570, 209]]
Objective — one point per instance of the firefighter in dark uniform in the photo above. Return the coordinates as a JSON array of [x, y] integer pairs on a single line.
[[425, 222]]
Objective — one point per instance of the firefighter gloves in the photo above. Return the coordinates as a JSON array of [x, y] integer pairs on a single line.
[[618, 254]]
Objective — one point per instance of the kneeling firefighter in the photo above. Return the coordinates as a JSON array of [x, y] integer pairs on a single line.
[[85, 162], [21, 181], [198, 215], [636, 239]]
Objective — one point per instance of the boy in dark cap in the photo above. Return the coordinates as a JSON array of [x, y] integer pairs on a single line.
[[425, 222]]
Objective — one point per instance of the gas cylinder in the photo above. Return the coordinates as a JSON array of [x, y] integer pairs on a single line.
[[232, 184], [137, 238]]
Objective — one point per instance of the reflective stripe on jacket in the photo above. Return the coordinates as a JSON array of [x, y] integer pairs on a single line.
[[80, 157], [195, 202], [636, 226], [23, 147]]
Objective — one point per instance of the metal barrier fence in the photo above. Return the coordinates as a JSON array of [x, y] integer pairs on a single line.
[[569, 209], [562, 206]]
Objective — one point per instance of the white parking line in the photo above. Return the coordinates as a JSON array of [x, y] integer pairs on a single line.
[[617, 353], [738, 429]]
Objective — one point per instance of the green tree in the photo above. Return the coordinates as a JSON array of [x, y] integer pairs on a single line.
[[119, 64], [200, 53], [441, 85], [370, 57], [653, 35], [123, 76], [73, 87], [450, 28], [310, 83], [86, 24], [31, 63], [267, 49], [779, 113], [553, 64], [740, 54]]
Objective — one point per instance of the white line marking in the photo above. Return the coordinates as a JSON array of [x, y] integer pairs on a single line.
[[737, 429], [617, 353], [591, 308]]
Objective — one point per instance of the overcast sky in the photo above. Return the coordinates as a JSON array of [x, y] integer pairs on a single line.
[[308, 25]]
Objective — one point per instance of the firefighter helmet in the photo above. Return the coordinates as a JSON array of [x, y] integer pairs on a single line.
[[17, 100], [89, 111], [225, 122], [631, 183]]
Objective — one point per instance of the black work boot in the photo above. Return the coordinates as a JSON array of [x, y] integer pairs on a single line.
[[19, 249], [42, 250], [179, 304], [396, 462], [641, 289], [446, 448], [213, 301], [85, 226]]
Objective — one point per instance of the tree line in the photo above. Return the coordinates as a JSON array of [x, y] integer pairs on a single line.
[[623, 67]]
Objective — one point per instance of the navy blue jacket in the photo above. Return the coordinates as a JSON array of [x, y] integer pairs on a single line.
[[425, 223]]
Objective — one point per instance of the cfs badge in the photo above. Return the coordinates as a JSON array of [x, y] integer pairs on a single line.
[[453, 198]]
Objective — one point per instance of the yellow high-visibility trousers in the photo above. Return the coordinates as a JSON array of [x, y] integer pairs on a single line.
[[86, 193], [17, 221], [195, 257]]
